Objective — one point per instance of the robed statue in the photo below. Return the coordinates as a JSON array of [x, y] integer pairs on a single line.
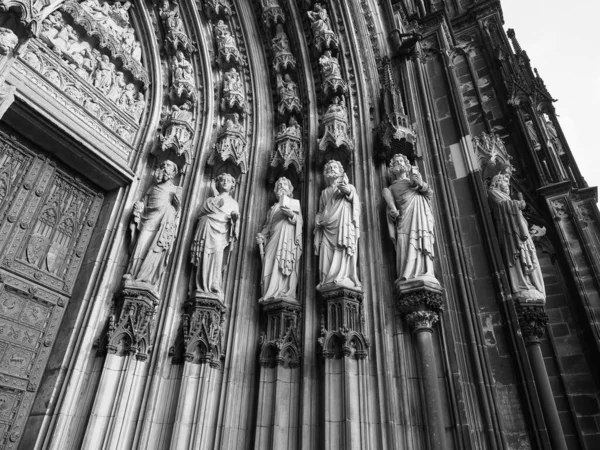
[[518, 249], [218, 227], [280, 243], [337, 230], [154, 228], [410, 222]]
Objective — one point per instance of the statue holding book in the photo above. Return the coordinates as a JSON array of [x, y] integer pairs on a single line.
[[280, 243]]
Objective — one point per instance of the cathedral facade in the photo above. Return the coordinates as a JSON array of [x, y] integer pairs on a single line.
[[289, 224]]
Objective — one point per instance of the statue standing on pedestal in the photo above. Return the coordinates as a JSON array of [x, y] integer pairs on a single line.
[[338, 229], [280, 243], [156, 219], [410, 222], [525, 274], [218, 226]]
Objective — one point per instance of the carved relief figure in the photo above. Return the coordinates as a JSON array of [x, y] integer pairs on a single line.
[[8, 41], [104, 74], [156, 219], [410, 222], [233, 92], [218, 227], [280, 243], [337, 229], [525, 274]]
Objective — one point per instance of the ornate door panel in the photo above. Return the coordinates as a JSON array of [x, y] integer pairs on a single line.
[[46, 221]]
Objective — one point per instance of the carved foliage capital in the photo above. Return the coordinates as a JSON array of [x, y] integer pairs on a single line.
[[533, 321]]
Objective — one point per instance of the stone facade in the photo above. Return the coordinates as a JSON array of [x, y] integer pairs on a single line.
[[240, 224]]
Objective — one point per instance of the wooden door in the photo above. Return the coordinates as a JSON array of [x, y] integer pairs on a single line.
[[46, 220]]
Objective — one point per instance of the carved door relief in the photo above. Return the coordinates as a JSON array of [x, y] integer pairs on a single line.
[[46, 220]]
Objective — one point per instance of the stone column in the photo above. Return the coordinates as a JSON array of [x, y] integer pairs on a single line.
[[129, 342], [344, 348], [420, 302], [202, 334], [533, 320]]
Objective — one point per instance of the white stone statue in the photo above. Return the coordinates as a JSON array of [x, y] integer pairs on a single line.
[[410, 222], [103, 78], [280, 243], [156, 218], [524, 272], [337, 230], [330, 66], [218, 227]]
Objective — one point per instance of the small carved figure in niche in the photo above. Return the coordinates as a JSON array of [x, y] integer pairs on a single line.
[[337, 106], [183, 70], [320, 22], [532, 133], [410, 222], [281, 43], [288, 94], [176, 34], [226, 44], [232, 123], [330, 66], [183, 113], [104, 74], [117, 88], [286, 87], [156, 218], [332, 75], [233, 92], [552, 134], [283, 57], [218, 227], [525, 274], [280, 243], [337, 229]]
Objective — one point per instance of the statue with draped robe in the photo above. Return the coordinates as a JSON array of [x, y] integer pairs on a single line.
[[337, 230], [218, 227], [518, 249], [280, 243], [410, 222], [154, 228]]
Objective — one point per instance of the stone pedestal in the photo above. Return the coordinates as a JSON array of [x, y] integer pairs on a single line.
[[420, 301], [130, 325]]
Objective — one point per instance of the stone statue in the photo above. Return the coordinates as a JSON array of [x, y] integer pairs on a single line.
[[182, 68], [337, 230], [281, 43], [8, 41], [280, 243], [524, 272], [218, 227], [156, 219], [226, 44], [410, 222]]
